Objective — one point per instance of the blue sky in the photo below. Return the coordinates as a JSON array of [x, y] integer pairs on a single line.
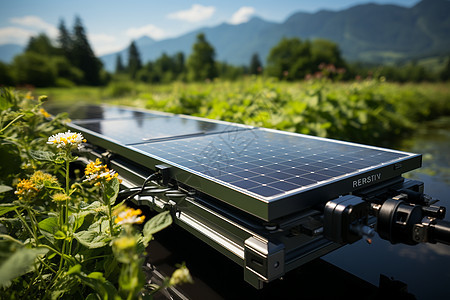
[[111, 24]]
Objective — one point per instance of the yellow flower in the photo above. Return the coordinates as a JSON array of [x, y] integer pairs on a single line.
[[181, 275], [98, 173], [60, 197], [124, 248], [124, 242], [44, 113], [26, 189], [41, 179], [29, 96], [129, 216], [43, 98], [29, 188], [66, 140]]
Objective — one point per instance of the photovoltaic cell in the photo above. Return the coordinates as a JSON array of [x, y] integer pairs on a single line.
[[267, 163]]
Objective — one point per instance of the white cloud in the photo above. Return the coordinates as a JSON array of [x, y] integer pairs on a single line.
[[196, 13], [242, 15], [37, 24], [104, 44], [102, 38], [149, 30], [15, 35]]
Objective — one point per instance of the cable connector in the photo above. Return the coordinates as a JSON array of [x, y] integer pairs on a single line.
[[164, 172]]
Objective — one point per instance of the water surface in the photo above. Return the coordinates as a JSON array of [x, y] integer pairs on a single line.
[[425, 268]]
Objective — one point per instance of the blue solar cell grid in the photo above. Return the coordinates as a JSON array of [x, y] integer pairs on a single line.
[[266, 163]]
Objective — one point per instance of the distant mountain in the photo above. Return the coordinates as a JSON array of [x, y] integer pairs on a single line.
[[369, 32], [8, 51], [374, 32]]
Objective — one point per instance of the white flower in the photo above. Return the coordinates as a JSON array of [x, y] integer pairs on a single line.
[[66, 140]]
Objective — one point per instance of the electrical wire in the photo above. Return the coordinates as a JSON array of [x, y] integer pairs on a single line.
[[133, 192]]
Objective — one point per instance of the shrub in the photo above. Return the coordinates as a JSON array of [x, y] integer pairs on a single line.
[[63, 236]]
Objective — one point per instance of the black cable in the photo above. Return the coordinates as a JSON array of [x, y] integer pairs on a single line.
[[136, 190]]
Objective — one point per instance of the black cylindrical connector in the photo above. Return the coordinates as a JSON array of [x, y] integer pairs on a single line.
[[439, 232], [437, 212]]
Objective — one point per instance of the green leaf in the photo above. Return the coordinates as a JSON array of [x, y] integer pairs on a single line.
[[94, 237], [59, 235], [5, 188], [7, 209], [91, 239], [77, 221], [74, 270], [97, 275], [93, 297], [96, 281], [155, 224], [50, 224], [42, 155], [19, 263], [111, 190]]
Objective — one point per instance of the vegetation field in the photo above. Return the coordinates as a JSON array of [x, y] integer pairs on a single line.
[[369, 111]]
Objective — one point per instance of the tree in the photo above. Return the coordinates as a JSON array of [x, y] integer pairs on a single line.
[[134, 60], [83, 57], [255, 64], [64, 39], [445, 73], [230, 72], [41, 45], [33, 68], [201, 64], [5, 75], [120, 68], [290, 59], [326, 52], [180, 67], [65, 71], [165, 67]]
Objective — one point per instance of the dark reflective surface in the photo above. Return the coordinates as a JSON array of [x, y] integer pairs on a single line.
[[84, 111], [132, 126], [141, 130], [216, 277], [425, 268]]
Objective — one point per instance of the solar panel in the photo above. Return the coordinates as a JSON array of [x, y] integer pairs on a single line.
[[127, 126], [268, 164], [100, 112], [141, 130], [266, 173]]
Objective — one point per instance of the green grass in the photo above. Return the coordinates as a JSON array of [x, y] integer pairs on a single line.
[[371, 112]]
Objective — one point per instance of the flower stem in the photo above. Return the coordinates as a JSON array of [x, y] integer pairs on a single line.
[[26, 225], [107, 201], [67, 192], [34, 225]]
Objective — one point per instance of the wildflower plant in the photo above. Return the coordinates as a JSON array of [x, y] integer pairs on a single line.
[[62, 237]]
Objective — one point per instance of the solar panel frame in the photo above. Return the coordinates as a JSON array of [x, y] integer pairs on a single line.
[[248, 195], [270, 208]]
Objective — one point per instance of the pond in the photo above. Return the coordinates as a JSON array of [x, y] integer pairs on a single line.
[[424, 268], [351, 272]]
